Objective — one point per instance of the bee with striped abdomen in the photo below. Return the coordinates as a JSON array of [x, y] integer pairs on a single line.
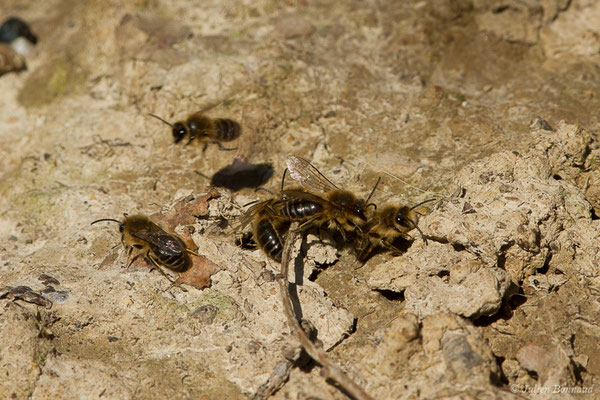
[[319, 203], [145, 238], [267, 229], [199, 126]]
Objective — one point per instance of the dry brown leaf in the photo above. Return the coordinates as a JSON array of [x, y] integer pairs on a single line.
[[10, 60], [199, 273], [185, 211]]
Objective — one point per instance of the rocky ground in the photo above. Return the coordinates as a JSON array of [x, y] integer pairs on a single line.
[[490, 108]]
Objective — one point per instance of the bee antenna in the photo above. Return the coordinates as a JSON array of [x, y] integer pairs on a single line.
[[265, 189], [283, 178], [371, 205], [421, 203], [106, 219], [417, 228], [373, 191], [159, 118], [252, 202]]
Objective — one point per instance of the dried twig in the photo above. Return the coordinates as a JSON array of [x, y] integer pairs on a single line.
[[278, 377], [330, 369]]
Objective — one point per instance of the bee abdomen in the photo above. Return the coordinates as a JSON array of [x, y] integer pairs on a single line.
[[227, 129], [300, 209], [177, 263], [268, 239]]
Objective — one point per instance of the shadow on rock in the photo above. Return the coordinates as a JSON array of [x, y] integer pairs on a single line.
[[240, 174]]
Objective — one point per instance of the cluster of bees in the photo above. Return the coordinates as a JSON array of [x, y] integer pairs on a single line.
[[319, 204], [316, 203]]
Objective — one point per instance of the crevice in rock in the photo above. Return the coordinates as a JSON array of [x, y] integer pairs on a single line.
[[500, 9], [516, 299], [501, 258], [486, 320], [544, 269], [443, 274], [594, 215], [458, 247], [315, 274], [501, 261], [499, 379], [511, 302], [391, 295]]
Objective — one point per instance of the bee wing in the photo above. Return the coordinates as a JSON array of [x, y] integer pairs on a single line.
[[308, 176], [244, 219], [301, 194], [247, 217], [164, 243]]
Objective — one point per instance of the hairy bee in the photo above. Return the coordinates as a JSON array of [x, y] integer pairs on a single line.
[[388, 224], [204, 128], [267, 228], [332, 208], [162, 249]]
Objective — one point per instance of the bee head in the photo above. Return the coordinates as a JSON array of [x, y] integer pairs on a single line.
[[359, 209], [406, 219], [179, 131], [403, 221]]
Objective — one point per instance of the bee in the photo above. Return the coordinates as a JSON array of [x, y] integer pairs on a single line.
[[388, 224], [202, 127], [333, 208], [14, 28], [267, 228], [145, 238]]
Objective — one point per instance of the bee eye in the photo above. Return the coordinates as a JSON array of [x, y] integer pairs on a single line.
[[358, 210], [400, 220], [179, 132], [121, 227]]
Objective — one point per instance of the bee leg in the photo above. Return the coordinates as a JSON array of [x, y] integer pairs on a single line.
[[362, 248], [221, 146], [177, 283], [341, 230], [129, 260], [305, 224], [149, 257], [321, 235], [130, 257], [363, 254], [245, 240], [192, 252], [226, 148], [192, 137], [390, 246]]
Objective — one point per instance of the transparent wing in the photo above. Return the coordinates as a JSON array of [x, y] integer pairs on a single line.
[[291, 194], [163, 243], [247, 217], [308, 176]]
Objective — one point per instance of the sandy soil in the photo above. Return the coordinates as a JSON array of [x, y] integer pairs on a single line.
[[488, 107]]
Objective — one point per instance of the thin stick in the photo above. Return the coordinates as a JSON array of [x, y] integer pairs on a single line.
[[276, 380], [330, 369]]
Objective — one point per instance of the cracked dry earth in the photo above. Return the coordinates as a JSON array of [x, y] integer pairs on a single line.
[[490, 108]]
